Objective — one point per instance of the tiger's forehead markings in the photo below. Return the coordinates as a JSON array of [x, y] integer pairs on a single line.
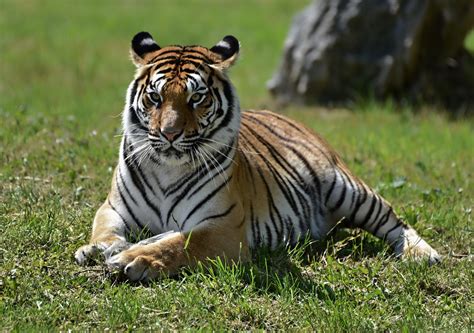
[[178, 66], [182, 54]]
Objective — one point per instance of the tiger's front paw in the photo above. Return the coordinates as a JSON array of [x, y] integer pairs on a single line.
[[136, 267], [88, 254], [91, 253]]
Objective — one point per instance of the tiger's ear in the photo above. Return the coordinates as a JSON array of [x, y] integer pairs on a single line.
[[226, 51], [143, 48]]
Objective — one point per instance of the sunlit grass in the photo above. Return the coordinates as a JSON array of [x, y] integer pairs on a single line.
[[64, 68], [469, 42]]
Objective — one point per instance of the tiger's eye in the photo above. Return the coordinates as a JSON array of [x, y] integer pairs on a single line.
[[155, 97], [196, 97]]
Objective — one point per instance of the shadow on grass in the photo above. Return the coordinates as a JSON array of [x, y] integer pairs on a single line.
[[290, 265], [285, 268]]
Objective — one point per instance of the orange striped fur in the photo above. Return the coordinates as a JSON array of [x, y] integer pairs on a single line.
[[207, 180]]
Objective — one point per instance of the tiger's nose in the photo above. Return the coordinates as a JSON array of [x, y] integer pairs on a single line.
[[170, 133]]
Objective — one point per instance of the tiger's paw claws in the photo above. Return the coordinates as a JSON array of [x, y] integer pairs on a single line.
[[138, 269], [87, 254]]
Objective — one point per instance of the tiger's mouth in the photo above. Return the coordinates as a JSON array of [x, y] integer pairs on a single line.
[[170, 154], [167, 149], [172, 151], [189, 150]]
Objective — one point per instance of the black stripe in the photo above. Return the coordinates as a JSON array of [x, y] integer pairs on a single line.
[[229, 114], [127, 206], [145, 196], [255, 229], [375, 219], [308, 167], [197, 175], [278, 177], [191, 49], [273, 220], [127, 227], [360, 202], [382, 221], [172, 61], [341, 199], [220, 171], [143, 177], [134, 119], [157, 61], [331, 188], [178, 52], [194, 177], [278, 158], [155, 176], [249, 171], [280, 182], [397, 225], [194, 57], [215, 216], [133, 165], [215, 93], [143, 86], [194, 82], [203, 201], [269, 235], [139, 184], [189, 185], [293, 150], [124, 185], [176, 186], [291, 232], [189, 70], [166, 70], [301, 130], [259, 233], [135, 180], [272, 208], [353, 186], [210, 81], [370, 211]]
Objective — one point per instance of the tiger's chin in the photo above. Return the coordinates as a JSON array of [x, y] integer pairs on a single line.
[[174, 158]]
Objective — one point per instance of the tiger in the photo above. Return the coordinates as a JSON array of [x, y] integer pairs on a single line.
[[209, 181]]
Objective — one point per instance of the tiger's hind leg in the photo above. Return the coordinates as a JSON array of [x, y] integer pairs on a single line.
[[351, 200]]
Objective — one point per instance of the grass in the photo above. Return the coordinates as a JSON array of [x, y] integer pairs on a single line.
[[63, 72]]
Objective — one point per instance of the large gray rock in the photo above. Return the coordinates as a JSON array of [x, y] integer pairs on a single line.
[[339, 49]]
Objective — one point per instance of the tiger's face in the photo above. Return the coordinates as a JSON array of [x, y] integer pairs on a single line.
[[181, 107]]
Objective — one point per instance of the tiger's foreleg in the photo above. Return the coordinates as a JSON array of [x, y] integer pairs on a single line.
[[143, 262], [108, 236]]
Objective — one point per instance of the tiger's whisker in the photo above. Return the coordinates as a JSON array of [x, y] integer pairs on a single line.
[[219, 152]]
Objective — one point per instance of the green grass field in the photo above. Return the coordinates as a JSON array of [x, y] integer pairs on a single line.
[[64, 68]]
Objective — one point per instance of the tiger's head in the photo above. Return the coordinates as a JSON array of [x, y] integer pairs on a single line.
[[181, 108]]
